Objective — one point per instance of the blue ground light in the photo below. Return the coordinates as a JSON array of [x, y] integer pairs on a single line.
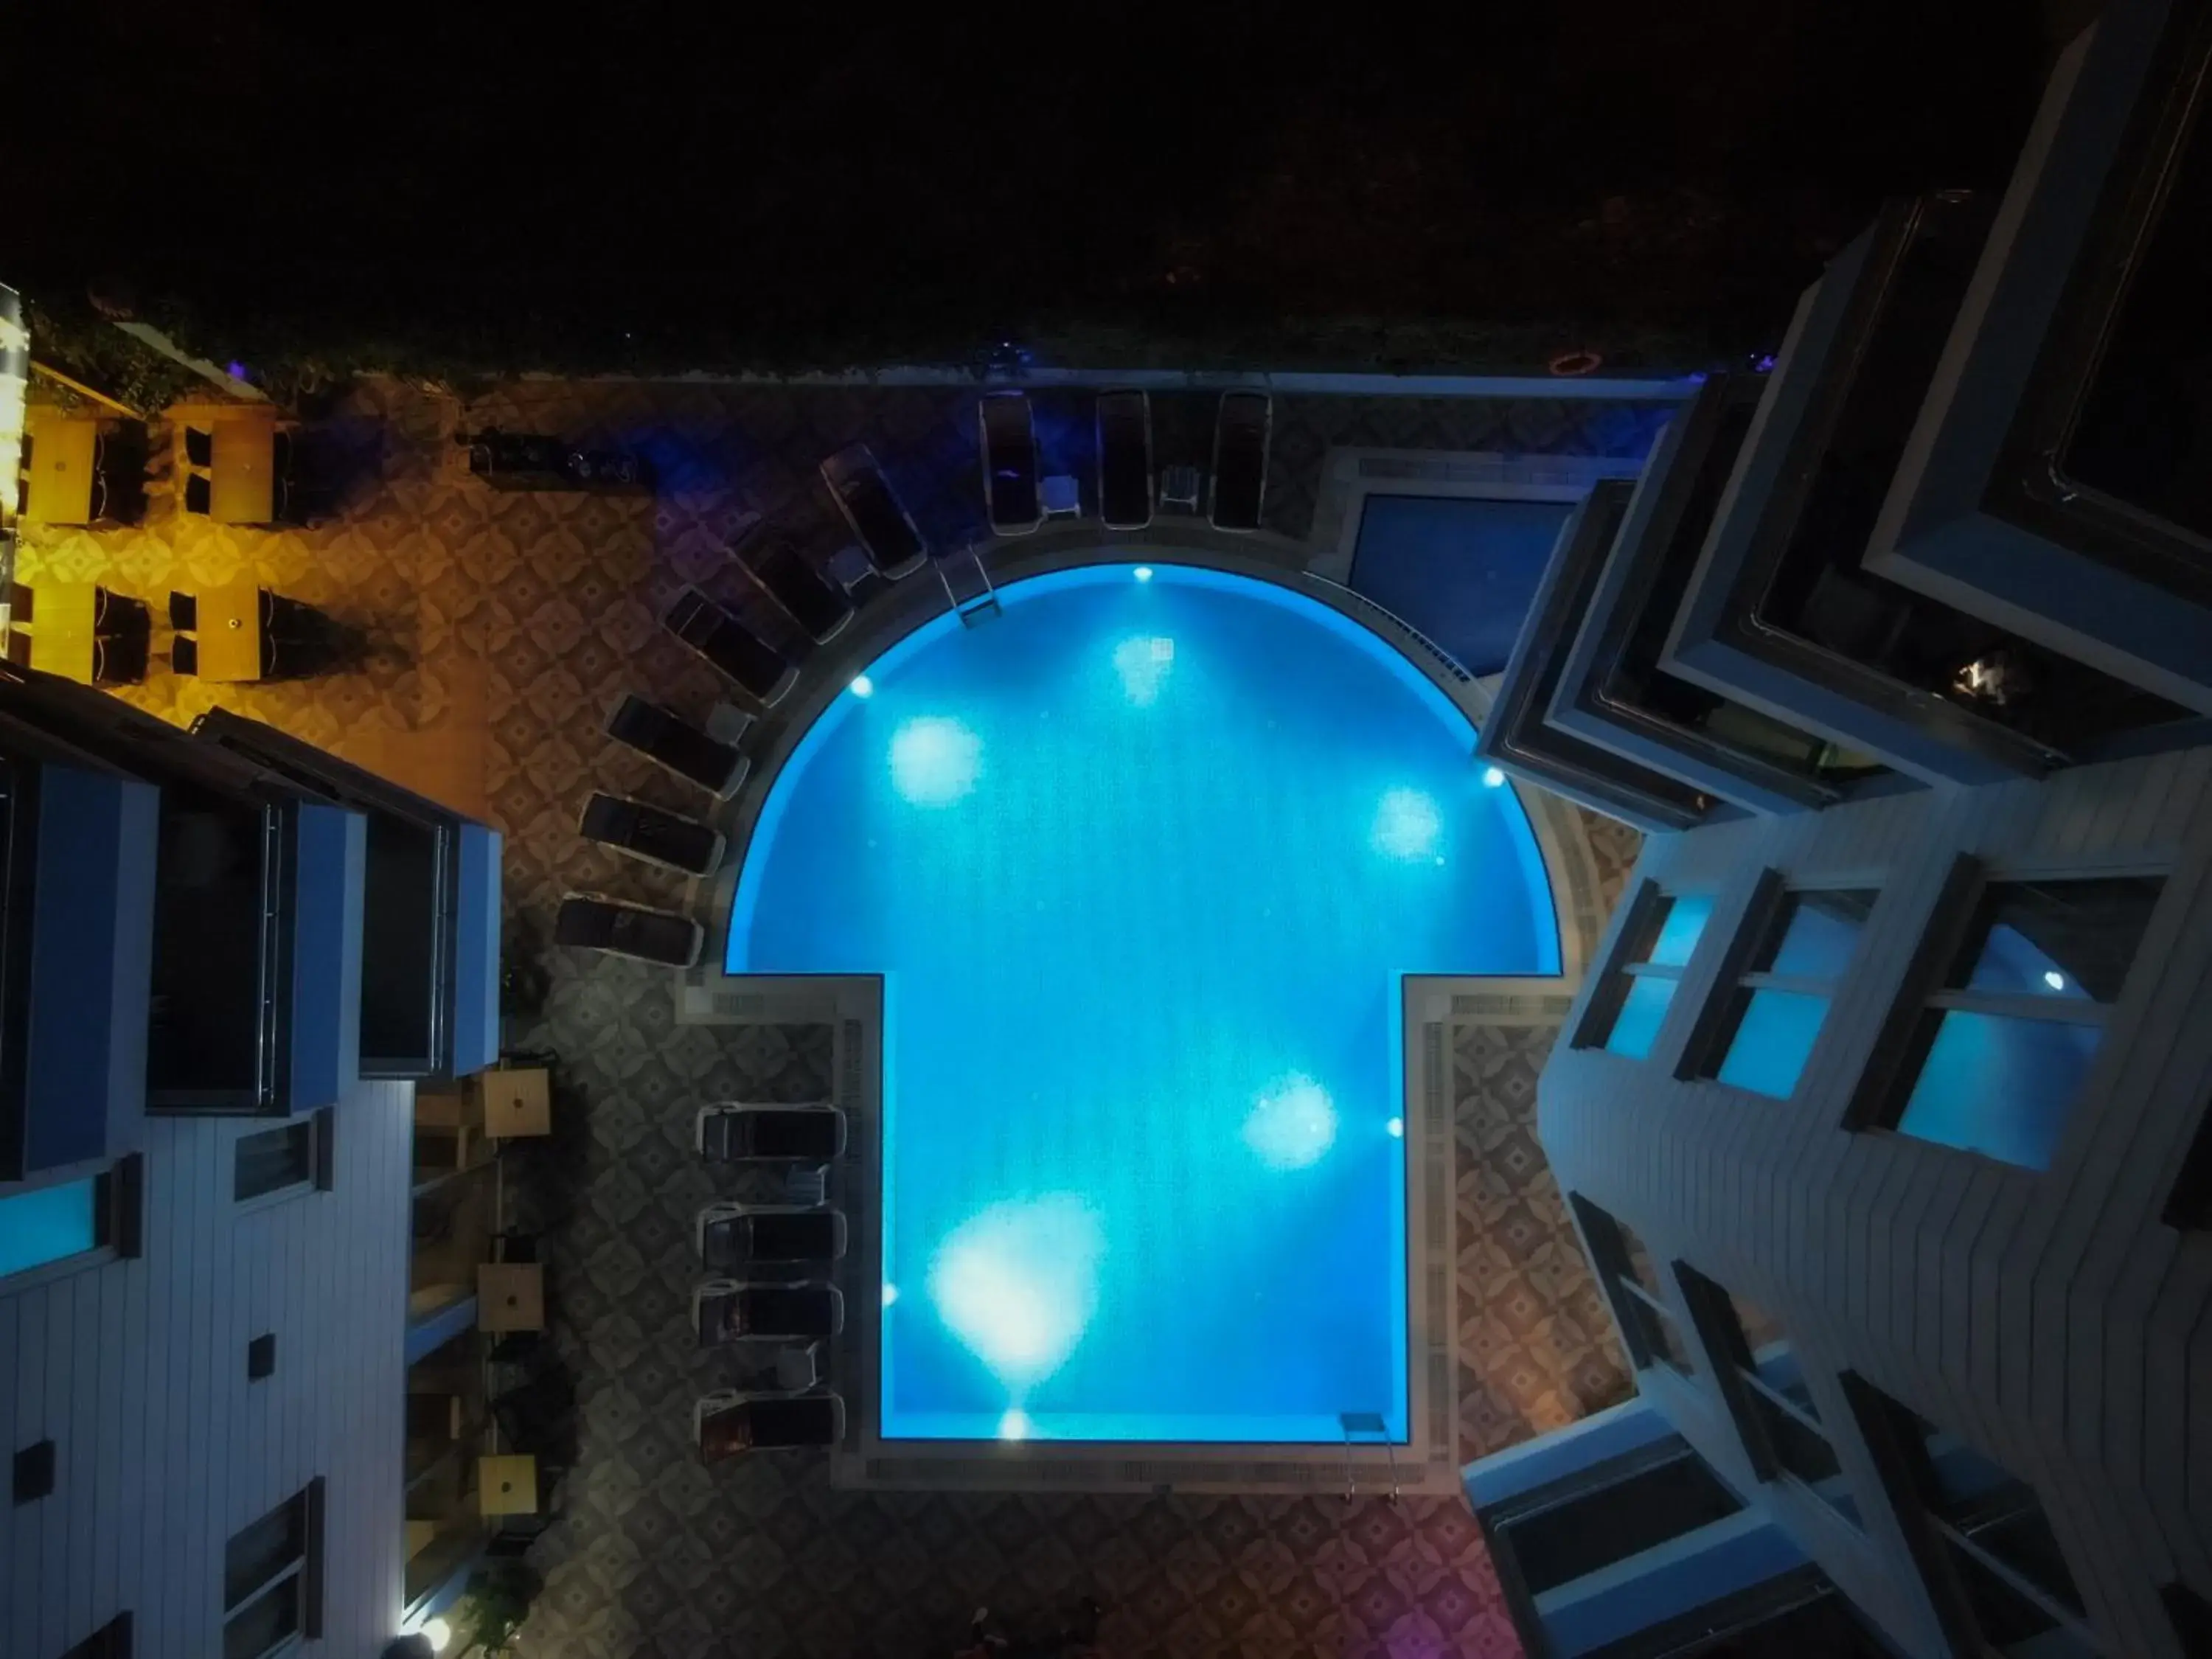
[[1142, 860]]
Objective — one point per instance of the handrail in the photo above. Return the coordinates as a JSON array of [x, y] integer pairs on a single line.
[[1451, 664]]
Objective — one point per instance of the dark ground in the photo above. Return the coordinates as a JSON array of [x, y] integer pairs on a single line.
[[652, 187]]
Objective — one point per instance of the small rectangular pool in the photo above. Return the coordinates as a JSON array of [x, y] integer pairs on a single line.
[[1140, 1250]]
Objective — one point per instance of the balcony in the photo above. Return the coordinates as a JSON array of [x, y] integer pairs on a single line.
[[1780, 613], [429, 985], [2057, 482], [1516, 736], [1611, 690], [448, 1424], [253, 1005], [77, 919]]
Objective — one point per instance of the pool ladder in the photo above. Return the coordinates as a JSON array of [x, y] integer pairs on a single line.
[[1370, 1426], [975, 605]]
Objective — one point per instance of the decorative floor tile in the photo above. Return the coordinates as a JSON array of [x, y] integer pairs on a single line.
[[498, 628]]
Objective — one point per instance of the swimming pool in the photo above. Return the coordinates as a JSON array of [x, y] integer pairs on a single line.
[[1142, 860]]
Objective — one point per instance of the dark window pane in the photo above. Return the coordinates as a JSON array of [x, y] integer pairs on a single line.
[[256, 1555], [2142, 434], [1997, 1085], [2191, 1617], [2000, 1513], [1804, 1451], [2009, 1621], [274, 1159], [1817, 933], [1660, 1340], [2189, 1204], [2059, 938], [399, 935], [113, 1640], [255, 1629], [1592, 1530], [2022, 1540], [205, 1017], [1772, 1037]]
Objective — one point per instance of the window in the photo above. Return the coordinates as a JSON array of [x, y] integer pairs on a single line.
[[1996, 1054], [1994, 1559], [1764, 1386], [272, 1579], [2189, 1204], [1632, 1282], [68, 1221], [1569, 1529], [1657, 942], [2191, 1617], [111, 1641], [32, 1476], [1803, 941], [292, 1154]]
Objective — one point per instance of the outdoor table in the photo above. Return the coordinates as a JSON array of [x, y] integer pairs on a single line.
[[229, 618], [242, 473]]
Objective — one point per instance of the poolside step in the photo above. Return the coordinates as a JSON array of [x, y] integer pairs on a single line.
[[982, 602]]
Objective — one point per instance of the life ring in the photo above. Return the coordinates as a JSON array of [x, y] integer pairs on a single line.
[[1581, 360]]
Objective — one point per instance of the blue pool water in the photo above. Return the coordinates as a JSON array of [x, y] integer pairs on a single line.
[[1463, 569], [1141, 861]]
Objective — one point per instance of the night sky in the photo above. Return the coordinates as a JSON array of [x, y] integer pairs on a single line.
[[824, 182]]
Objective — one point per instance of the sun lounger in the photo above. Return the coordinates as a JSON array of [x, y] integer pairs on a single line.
[[734, 1310], [738, 1132], [651, 834], [732, 1236], [886, 532], [1125, 459], [661, 735], [818, 605], [728, 1423], [733, 649], [593, 923], [1240, 458], [1010, 463]]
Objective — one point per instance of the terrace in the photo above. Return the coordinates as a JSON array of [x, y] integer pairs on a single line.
[[496, 629]]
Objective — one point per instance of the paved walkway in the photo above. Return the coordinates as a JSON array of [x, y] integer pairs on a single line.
[[498, 628]]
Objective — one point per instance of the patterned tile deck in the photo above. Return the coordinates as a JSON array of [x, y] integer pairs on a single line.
[[498, 629]]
